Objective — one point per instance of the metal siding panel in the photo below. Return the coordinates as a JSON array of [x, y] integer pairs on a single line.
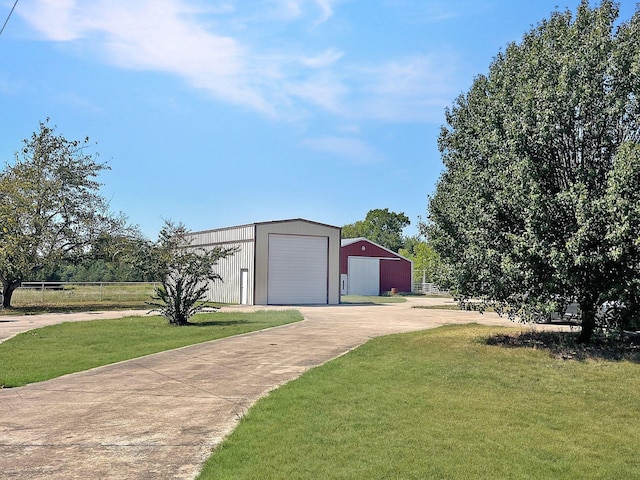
[[228, 289], [370, 250], [224, 235], [395, 274]]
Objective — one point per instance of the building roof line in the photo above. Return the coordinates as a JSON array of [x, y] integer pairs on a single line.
[[265, 223], [350, 241]]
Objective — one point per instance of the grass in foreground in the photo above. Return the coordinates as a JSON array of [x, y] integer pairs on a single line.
[[36, 309], [53, 351], [442, 404], [360, 299]]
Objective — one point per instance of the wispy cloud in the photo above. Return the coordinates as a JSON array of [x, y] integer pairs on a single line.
[[159, 35], [211, 46], [407, 89], [352, 149], [425, 11], [324, 59], [290, 10], [327, 9]]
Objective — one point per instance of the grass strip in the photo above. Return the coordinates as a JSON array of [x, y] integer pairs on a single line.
[[442, 404], [364, 299], [38, 309], [57, 350]]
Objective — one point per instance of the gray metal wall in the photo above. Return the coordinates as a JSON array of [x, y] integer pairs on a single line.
[[242, 237]]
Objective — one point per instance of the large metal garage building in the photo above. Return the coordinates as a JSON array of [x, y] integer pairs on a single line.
[[286, 262], [371, 269]]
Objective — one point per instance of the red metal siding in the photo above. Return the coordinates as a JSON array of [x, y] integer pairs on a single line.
[[393, 273]]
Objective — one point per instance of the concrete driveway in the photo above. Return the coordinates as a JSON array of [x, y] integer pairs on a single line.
[[158, 417]]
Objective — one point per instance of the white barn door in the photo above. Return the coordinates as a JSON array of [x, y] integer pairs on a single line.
[[364, 276], [298, 270]]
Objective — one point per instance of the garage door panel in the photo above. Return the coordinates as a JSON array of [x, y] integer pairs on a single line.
[[364, 276], [298, 269]]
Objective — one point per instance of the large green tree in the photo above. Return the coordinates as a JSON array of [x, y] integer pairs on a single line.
[[538, 203], [380, 226], [50, 207]]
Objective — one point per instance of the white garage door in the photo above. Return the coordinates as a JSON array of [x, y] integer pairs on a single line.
[[364, 276], [298, 270]]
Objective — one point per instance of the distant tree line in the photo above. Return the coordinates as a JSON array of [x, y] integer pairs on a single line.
[[96, 270], [116, 258]]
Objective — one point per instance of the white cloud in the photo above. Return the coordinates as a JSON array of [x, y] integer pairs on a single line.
[[352, 149], [288, 9], [160, 35], [323, 60], [421, 11], [53, 18], [324, 91], [211, 46], [291, 10], [326, 6], [407, 89]]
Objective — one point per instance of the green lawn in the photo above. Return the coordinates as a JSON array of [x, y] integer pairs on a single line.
[[53, 351], [359, 299], [442, 404]]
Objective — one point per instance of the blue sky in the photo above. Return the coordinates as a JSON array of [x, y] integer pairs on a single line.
[[218, 113]]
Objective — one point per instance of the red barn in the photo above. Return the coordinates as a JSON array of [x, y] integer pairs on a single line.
[[367, 268]]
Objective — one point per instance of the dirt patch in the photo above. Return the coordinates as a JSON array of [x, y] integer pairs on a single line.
[[564, 345]]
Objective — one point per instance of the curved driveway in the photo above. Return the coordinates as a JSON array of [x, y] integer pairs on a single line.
[[159, 416]]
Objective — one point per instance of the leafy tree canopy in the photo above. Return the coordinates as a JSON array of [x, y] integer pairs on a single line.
[[538, 205], [380, 226], [427, 265], [50, 207]]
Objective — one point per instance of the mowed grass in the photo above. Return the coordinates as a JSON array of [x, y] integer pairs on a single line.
[[441, 404], [56, 350], [364, 299]]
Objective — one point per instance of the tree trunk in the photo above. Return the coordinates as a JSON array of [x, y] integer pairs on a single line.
[[588, 317], [7, 292]]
